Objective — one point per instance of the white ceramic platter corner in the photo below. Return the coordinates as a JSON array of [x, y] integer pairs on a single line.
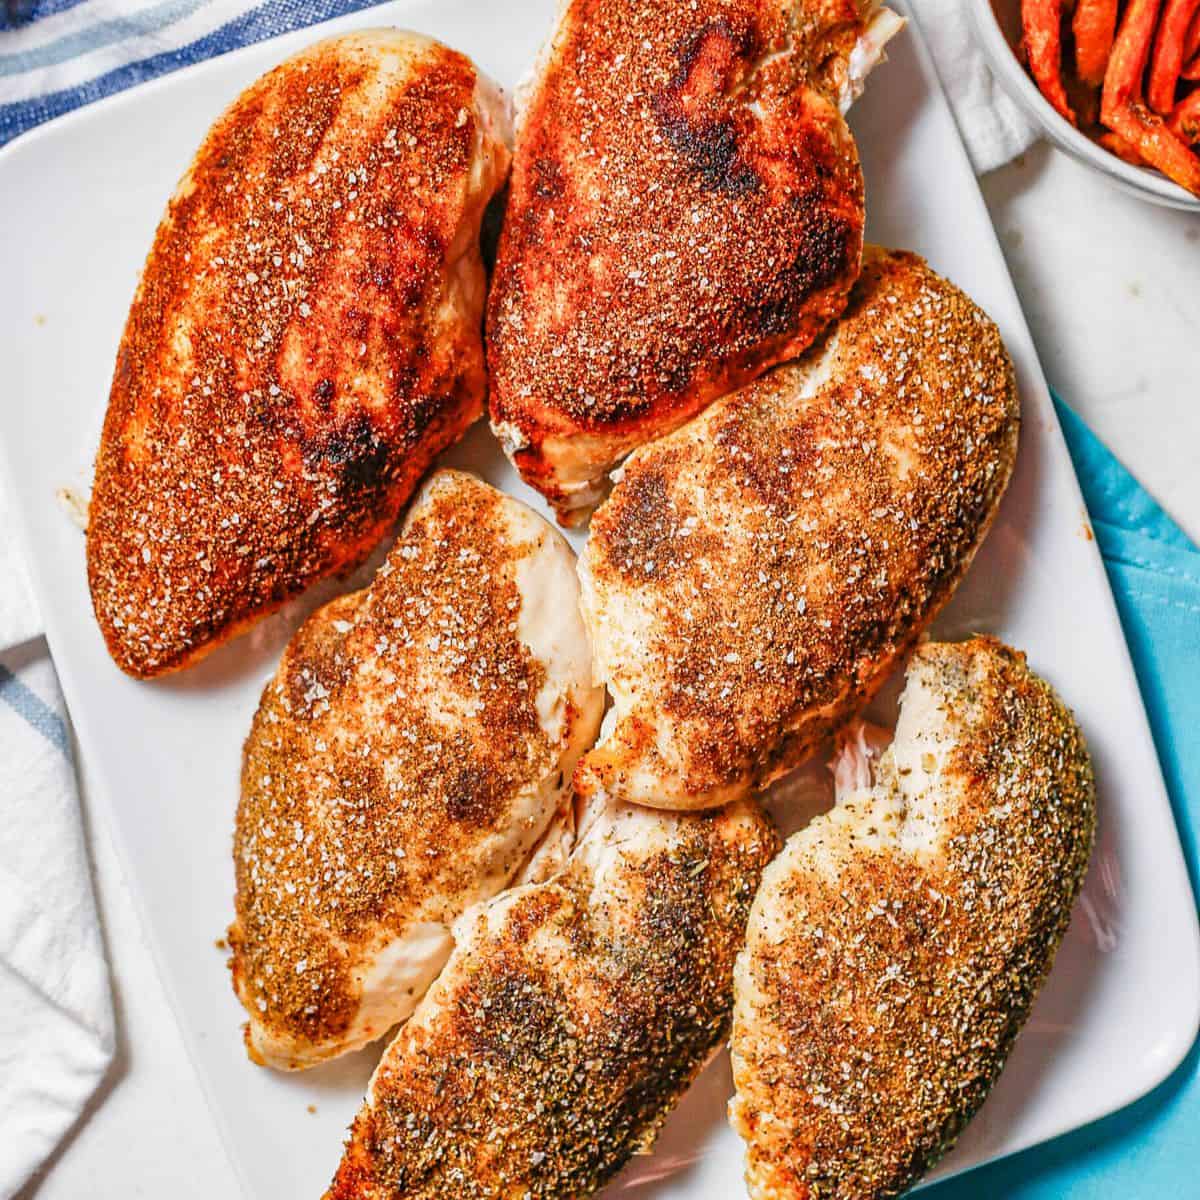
[[79, 200]]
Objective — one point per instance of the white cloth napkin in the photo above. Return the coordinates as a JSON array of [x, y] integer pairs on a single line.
[[992, 126], [56, 1016]]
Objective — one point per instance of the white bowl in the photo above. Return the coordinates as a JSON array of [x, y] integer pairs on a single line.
[[997, 25]]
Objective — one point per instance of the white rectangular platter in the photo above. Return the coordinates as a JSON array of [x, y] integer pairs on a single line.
[[79, 200]]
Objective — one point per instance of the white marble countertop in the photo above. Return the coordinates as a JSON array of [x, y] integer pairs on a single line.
[[1111, 288]]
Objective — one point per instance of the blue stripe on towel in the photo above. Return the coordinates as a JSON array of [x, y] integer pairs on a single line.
[[268, 20], [96, 37], [34, 709], [16, 14]]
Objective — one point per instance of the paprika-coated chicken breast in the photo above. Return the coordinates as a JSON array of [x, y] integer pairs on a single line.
[[304, 340], [686, 210], [754, 577], [570, 1018], [410, 755], [898, 942]]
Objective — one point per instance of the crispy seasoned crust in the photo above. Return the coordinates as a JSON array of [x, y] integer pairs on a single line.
[[686, 210], [569, 1020], [403, 762], [304, 340], [753, 577], [897, 943]]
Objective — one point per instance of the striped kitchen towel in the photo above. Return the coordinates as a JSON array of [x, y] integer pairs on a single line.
[[56, 55], [56, 1037]]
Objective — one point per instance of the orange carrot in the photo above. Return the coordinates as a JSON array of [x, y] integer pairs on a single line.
[[1123, 110], [1094, 24], [1114, 143], [1184, 120], [1170, 49], [1042, 22], [1127, 63], [1158, 145], [1191, 50], [1191, 43]]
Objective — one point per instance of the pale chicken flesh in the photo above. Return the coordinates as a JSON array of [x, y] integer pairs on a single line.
[[411, 754], [898, 942], [754, 577], [570, 1018]]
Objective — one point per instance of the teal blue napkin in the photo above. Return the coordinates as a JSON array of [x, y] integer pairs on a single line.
[[1151, 1150]]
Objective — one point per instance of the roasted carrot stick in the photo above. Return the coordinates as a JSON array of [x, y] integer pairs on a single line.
[[1184, 120], [1042, 22], [1094, 24], [1169, 53], [1123, 110], [1114, 143], [1127, 63], [1191, 43], [1191, 50], [1158, 145]]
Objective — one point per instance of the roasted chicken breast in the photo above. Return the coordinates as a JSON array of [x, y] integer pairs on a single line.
[[897, 943], [570, 1018], [686, 210], [754, 576], [406, 759], [306, 337]]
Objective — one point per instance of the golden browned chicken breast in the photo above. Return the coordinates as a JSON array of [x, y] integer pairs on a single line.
[[570, 1018], [753, 577], [898, 941], [305, 339], [408, 757], [686, 211]]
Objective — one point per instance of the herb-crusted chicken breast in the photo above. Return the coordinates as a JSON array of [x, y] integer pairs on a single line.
[[304, 340], [898, 942], [686, 211], [570, 1018], [754, 577], [406, 759]]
